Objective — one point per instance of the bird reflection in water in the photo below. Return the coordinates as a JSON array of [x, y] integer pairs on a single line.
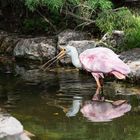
[[97, 110], [12, 129], [103, 111]]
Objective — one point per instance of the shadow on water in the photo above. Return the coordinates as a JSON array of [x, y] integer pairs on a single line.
[[58, 106]]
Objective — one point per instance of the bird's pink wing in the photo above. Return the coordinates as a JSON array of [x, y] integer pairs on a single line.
[[102, 60]]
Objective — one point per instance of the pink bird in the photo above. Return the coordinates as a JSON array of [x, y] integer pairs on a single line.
[[99, 111], [98, 61]]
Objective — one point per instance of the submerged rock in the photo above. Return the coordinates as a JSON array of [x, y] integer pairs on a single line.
[[30, 75], [126, 90], [35, 77]]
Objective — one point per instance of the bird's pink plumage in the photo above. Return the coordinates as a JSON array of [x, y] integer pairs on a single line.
[[102, 60]]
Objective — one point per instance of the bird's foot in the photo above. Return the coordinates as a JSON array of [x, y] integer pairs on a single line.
[[98, 97], [118, 102]]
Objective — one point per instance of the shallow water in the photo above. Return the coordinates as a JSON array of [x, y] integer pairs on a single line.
[[41, 105]]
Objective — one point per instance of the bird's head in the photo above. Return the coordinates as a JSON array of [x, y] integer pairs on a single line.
[[69, 50]]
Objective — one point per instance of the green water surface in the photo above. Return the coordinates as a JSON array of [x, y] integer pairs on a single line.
[[41, 107]]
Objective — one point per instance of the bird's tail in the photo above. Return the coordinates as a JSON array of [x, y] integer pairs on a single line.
[[122, 68], [118, 75]]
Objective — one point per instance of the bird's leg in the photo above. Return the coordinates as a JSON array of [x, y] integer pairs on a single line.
[[102, 92], [97, 93]]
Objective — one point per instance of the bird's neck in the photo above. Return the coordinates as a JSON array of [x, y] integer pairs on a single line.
[[75, 106], [75, 60]]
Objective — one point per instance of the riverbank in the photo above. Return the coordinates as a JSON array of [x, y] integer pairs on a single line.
[[17, 50]]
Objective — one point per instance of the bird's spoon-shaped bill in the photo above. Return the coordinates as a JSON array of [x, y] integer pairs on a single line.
[[53, 60]]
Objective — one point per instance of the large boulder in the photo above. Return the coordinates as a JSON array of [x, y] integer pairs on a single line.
[[69, 35], [36, 77], [35, 48], [132, 58], [30, 75], [113, 40], [76, 39], [82, 41]]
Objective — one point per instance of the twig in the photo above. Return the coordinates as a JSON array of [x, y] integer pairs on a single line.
[[79, 17], [115, 10], [82, 24], [47, 21]]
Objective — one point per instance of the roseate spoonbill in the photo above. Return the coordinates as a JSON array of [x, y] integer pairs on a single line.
[[97, 61], [99, 111], [109, 109]]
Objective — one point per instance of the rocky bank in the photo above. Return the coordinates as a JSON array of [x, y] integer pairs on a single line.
[[40, 49]]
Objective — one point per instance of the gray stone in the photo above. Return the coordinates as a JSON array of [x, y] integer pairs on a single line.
[[69, 35], [74, 38], [7, 42], [126, 89], [36, 77], [113, 40], [30, 75], [132, 58], [35, 48]]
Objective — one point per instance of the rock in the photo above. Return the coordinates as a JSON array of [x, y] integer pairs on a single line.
[[11, 128], [80, 46], [126, 90], [69, 35], [120, 88], [7, 64], [35, 48], [132, 58], [113, 40], [34, 76], [30, 75], [74, 38], [83, 45], [43, 48], [2, 36], [7, 42]]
